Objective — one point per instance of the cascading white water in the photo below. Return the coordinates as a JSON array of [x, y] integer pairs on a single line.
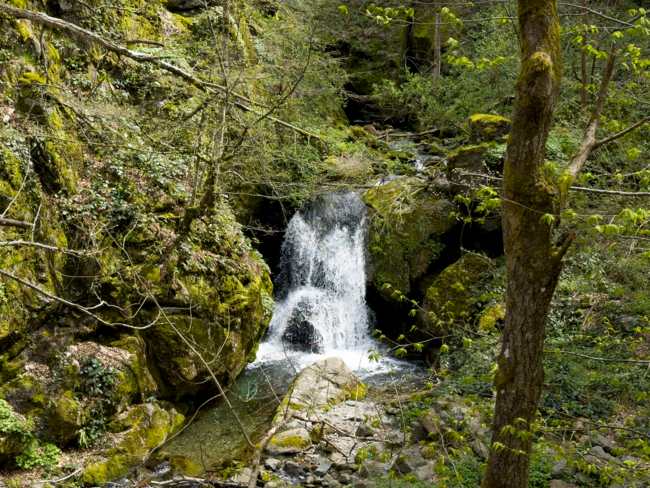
[[321, 309]]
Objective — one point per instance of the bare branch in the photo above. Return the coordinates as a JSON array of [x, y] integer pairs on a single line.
[[15, 223], [622, 133], [75, 305], [575, 188], [589, 139], [40, 246], [598, 14], [598, 359]]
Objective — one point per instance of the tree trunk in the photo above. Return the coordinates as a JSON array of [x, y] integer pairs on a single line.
[[583, 72], [532, 265], [436, 51]]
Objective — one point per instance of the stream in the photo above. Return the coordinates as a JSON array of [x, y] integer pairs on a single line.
[[320, 312]]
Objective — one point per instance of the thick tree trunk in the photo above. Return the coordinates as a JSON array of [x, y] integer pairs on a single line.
[[533, 267]]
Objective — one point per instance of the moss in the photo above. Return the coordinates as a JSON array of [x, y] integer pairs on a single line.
[[465, 159], [452, 288], [406, 223], [293, 441], [150, 425], [401, 155], [63, 417], [182, 466], [485, 127]]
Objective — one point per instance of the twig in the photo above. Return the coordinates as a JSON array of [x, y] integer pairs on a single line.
[[597, 359], [15, 223]]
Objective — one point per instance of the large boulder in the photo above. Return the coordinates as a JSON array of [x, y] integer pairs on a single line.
[[146, 427], [485, 128], [289, 441], [405, 229], [324, 383], [450, 291]]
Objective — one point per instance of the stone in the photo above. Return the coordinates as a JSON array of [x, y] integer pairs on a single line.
[[64, 419], [445, 296], [396, 439], [559, 469], [408, 461], [323, 468], [599, 452], [319, 386], [365, 484], [271, 484], [150, 425], [602, 441], [272, 464], [485, 128], [403, 235], [430, 423], [364, 430], [243, 477], [293, 469], [300, 333], [290, 441], [374, 469], [424, 472], [627, 323], [418, 432], [479, 449], [560, 484], [344, 478], [335, 457]]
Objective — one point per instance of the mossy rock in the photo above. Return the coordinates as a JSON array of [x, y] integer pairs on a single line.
[[151, 425], [348, 167], [468, 159], [289, 442], [404, 236], [184, 467], [485, 128], [64, 418], [452, 288], [404, 156]]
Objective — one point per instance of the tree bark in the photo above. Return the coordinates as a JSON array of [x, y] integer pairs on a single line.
[[532, 265], [436, 51]]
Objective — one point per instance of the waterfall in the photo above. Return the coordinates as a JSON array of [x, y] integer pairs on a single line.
[[321, 309]]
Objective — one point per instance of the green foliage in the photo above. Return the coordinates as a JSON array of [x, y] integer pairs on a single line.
[[35, 454], [11, 423]]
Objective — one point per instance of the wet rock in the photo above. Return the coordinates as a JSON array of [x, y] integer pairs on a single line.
[[374, 469], [319, 386], [272, 464], [479, 449], [485, 128], [418, 432], [323, 468], [300, 333], [364, 430], [289, 442], [294, 469]]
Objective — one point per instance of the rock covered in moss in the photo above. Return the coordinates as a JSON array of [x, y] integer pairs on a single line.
[[452, 288], [405, 229], [348, 167], [150, 425], [485, 128], [289, 442], [326, 382], [64, 418]]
